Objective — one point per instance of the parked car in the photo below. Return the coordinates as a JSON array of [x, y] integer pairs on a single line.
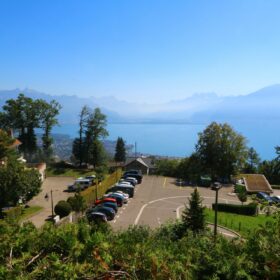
[[109, 212], [131, 180], [125, 199], [135, 176], [124, 182], [112, 205], [96, 217], [276, 199], [134, 171], [126, 196], [119, 198], [126, 189], [105, 199], [264, 197], [80, 184]]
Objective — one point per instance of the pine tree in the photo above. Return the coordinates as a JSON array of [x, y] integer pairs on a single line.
[[120, 155], [193, 217]]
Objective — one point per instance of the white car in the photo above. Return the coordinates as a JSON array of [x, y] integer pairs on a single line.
[[125, 183], [124, 194]]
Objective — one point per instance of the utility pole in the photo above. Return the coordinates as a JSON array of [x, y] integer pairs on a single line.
[[135, 150], [216, 187], [52, 204]]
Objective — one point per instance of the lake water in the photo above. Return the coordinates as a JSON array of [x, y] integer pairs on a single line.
[[179, 139]]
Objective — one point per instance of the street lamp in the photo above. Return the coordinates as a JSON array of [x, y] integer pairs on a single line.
[[47, 198], [216, 187]]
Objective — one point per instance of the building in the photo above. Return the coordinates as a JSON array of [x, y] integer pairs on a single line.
[[255, 183], [145, 164]]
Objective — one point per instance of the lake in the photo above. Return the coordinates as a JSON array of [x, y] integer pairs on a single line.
[[179, 139]]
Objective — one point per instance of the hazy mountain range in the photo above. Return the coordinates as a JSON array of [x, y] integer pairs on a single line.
[[199, 108]]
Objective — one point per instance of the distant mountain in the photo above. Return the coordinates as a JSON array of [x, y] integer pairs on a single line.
[[199, 108], [71, 105]]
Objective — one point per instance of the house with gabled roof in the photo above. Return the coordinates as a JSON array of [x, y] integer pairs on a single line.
[[145, 164]]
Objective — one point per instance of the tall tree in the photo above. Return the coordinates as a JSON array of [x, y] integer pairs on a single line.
[[78, 144], [96, 131], [193, 217], [120, 151], [22, 115], [48, 119], [221, 150]]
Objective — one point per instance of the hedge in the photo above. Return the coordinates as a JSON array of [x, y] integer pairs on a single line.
[[276, 187], [248, 209]]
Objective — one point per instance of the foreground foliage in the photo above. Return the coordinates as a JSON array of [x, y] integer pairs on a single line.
[[80, 251]]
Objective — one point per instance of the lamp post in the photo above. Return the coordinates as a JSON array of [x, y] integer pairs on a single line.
[[47, 198], [216, 187]]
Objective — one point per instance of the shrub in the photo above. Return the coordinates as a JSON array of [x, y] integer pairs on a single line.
[[62, 208], [249, 210], [239, 188], [77, 202]]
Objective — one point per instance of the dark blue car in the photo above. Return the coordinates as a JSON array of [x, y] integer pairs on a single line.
[[265, 197]]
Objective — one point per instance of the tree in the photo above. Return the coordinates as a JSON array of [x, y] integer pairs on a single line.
[[221, 150], [17, 182], [84, 115], [95, 131], [253, 161], [77, 202], [193, 217], [5, 145], [48, 119], [22, 114], [242, 196], [120, 151]]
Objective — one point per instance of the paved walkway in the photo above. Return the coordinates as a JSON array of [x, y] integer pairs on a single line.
[[59, 186]]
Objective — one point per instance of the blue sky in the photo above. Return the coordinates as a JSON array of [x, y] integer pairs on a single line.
[[149, 50]]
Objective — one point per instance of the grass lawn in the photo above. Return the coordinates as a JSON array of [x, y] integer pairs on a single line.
[[30, 211], [71, 172], [240, 223]]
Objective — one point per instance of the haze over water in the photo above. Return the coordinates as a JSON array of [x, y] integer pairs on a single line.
[[179, 139]]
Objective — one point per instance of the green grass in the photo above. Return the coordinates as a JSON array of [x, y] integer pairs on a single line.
[[30, 211], [71, 172], [240, 223]]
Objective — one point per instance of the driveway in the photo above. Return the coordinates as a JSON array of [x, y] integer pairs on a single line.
[[58, 185]]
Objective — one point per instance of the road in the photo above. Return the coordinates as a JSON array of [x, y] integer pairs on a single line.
[[158, 200], [58, 185]]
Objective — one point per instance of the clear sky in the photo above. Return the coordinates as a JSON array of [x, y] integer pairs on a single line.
[[139, 50]]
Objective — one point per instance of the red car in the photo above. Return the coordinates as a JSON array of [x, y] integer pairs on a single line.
[[105, 199]]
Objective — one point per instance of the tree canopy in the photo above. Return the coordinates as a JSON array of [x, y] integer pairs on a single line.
[[221, 150]]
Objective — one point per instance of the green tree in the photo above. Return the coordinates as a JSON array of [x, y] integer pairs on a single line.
[[17, 182], [48, 119], [120, 151], [5, 145], [22, 115], [80, 147], [242, 196], [77, 202], [221, 150], [253, 161], [95, 132], [193, 217]]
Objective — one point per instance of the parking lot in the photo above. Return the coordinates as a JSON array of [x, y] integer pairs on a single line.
[[158, 199]]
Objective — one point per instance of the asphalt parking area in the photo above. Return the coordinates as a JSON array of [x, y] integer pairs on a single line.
[[158, 200]]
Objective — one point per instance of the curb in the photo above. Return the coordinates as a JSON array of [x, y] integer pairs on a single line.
[[228, 229]]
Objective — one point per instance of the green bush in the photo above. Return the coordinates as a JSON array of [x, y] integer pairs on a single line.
[[77, 202], [249, 210], [62, 208], [239, 188]]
